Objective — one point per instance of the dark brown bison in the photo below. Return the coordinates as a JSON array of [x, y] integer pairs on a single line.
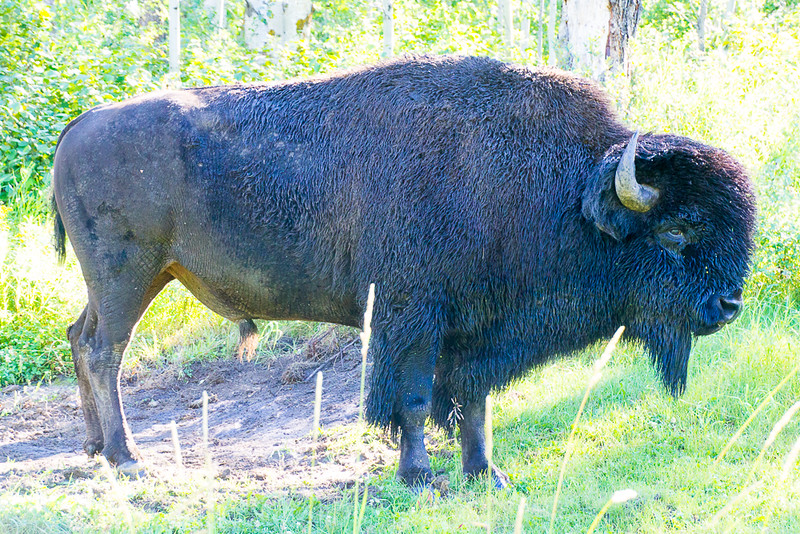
[[505, 215]]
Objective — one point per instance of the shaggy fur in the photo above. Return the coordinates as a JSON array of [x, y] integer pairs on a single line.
[[477, 196]]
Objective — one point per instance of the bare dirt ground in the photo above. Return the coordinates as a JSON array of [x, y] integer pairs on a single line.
[[259, 425]]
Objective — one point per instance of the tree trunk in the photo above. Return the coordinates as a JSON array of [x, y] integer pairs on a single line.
[[149, 13], [541, 30], [175, 38], [287, 20], [595, 34], [388, 28], [730, 10], [216, 11], [622, 27], [701, 25], [505, 15], [525, 24], [584, 34]]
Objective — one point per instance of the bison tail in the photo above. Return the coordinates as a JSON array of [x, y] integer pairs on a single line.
[[58, 224], [59, 233]]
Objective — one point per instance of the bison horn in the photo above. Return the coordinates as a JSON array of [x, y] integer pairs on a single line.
[[632, 194]]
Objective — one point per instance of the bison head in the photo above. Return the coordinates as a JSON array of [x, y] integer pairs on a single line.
[[678, 219]]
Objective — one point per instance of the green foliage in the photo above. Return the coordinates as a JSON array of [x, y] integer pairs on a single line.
[[675, 18], [742, 96], [32, 341], [57, 63], [772, 6]]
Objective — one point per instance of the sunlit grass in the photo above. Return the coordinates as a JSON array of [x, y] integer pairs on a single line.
[[631, 435]]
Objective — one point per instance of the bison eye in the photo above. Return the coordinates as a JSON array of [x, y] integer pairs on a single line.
[[675, 233], [673, 238]]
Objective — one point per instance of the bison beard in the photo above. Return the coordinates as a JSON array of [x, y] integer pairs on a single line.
[[506, 216], [669, 350]]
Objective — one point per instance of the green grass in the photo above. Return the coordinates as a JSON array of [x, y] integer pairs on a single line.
[[632, 435]]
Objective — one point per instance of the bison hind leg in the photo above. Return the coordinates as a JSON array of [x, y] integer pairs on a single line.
[[82, 328], [98, 340], [248, 339]]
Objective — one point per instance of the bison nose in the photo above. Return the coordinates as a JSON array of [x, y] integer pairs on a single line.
[[729, 307]]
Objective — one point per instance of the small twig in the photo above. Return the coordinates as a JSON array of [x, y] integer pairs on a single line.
[[330, 361]]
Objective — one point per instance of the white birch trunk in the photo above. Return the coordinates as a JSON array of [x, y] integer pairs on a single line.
[[387, 11], [584, 34], [525, 27], [283, 19], [216, 11], [540, 40], [701, 25], [505, 15]]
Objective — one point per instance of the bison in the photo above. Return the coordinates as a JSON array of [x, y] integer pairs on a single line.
[[505, 214]]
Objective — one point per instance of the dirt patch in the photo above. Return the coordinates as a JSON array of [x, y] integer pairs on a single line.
[[259, 425]]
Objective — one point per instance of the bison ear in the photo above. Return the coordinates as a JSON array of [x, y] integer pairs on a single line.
[[617, 222], [601, 203]]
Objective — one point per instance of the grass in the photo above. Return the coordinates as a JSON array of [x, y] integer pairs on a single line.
[[631, 436]]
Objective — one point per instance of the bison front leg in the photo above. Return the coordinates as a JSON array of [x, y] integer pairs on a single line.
[[415, 389], [414, 468], [473, 444], [400, 397]]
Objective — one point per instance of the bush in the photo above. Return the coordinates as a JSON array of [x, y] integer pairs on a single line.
[[38, 299]]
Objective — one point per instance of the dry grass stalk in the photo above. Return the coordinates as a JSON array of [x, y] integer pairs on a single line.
[[748, 488], [733, 502], [210, 522], [520, 516], [593, 380], [205, 430], [365, 335], [779, 426], [176, 445], [753, 415], [489, 440], [791, 460], [618, 497], [314, 436], [317, 410]]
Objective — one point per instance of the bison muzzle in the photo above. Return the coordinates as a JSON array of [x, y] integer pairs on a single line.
[[505, 214]]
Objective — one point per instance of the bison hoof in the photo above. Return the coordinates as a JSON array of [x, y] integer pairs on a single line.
[[132, 469], [92, 446], [416, 477], [499, 479]]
